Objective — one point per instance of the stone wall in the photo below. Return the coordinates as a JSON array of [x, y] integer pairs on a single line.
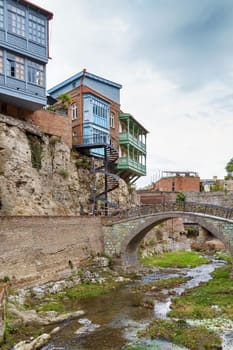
[[40, 247], [217, 198]]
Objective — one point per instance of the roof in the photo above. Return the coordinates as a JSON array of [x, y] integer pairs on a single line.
[[37, 8], [83, 73], [128, 115]]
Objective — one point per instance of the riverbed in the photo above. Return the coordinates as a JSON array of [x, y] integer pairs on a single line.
[[111, 321]]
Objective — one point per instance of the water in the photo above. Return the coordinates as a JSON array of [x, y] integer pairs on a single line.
[[112, 320]]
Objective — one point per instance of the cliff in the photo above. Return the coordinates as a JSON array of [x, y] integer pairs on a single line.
[[39, 175]]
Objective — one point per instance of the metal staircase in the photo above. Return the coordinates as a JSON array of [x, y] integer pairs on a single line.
[[111, 180]]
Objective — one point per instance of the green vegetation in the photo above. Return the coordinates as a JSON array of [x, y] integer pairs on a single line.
[[175, 259], [59, 301], [36, 151], [66, 100], [64, 173], [198, 302], [180, 197], [216, 187], [229, 168], [82, 162], [179, 332]]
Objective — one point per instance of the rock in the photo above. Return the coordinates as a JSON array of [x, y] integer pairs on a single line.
[[35, 344], [42, 318], [87, 328], [215, 244], [100, 261], [26, 190]]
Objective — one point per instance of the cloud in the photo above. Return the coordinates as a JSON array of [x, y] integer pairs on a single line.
[[174, 60]]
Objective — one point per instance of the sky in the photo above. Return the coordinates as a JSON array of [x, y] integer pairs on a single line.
[[174, 60]]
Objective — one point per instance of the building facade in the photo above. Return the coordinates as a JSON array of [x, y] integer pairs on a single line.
[[94, 108], [24, 52], [132, 148], [97, 119], [178, 181]]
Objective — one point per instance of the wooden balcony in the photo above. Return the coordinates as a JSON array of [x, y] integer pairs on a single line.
[[126, 163]]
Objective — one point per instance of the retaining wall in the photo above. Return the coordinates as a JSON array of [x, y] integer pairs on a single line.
[[40, 247]]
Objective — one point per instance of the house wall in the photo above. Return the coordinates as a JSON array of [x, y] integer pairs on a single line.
[[179, 183], [52, 123], [17, 89]]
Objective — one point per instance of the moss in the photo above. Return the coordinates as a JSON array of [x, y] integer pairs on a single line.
[[197, 303], [180, 333], [36, 151], [175, 259]]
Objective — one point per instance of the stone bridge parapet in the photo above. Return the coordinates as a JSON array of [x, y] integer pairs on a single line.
[[123, 233]]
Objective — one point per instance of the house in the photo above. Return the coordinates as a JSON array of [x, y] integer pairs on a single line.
[[98, 120], [23, 56], [178, 181], [94, 109]]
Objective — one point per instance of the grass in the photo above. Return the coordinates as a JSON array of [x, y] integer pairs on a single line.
[[58, 302], [198, 302], [180, 333], [175, 259]]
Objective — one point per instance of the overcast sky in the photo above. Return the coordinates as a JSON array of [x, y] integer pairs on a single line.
[[174, 59]]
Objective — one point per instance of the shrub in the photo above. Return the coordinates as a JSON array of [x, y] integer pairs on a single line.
[[64, 173]]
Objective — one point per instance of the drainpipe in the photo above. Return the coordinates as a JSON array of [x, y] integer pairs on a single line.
[[81, 105]]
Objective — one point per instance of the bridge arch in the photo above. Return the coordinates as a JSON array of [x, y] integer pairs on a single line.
[[130, 244]]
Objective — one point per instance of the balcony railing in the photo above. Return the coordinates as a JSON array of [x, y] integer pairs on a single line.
[[126, 137], [128, 163]]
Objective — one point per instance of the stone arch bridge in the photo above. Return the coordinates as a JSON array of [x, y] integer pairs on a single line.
[[124, 232]]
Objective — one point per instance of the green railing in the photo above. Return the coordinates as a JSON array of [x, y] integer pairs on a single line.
[[128, 163], [126, 137]]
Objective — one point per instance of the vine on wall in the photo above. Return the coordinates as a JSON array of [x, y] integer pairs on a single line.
[[36, 151]]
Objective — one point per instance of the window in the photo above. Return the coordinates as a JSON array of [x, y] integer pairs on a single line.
[[74, 112], [36, 73], [37, 30], [15, 66], [112, 120], [1, 62], [1, 14], [16, 20]]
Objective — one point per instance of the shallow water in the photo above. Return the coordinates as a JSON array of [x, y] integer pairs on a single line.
[[119, 318]]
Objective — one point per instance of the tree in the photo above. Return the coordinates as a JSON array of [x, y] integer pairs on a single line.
[[229, 168], [180, 197], [65, 99]]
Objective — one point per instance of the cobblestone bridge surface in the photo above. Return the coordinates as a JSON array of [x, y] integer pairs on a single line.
[[124, 231]]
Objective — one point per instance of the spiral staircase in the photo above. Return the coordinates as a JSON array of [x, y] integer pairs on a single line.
[[107, 168]]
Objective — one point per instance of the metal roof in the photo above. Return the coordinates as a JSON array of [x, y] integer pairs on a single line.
[[77, 76], [37, 8]]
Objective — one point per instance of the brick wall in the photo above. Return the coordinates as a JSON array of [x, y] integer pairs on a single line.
[[54, 124], [179, 183], [40, 247]]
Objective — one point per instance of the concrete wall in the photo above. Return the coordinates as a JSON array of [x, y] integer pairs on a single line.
[[40, 247]]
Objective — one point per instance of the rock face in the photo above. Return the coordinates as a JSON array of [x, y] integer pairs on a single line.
[[39, 176]]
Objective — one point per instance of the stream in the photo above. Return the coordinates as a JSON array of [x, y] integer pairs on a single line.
[[112, 320]]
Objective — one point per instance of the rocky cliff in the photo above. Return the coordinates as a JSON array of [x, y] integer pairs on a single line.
[[39, 175]]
